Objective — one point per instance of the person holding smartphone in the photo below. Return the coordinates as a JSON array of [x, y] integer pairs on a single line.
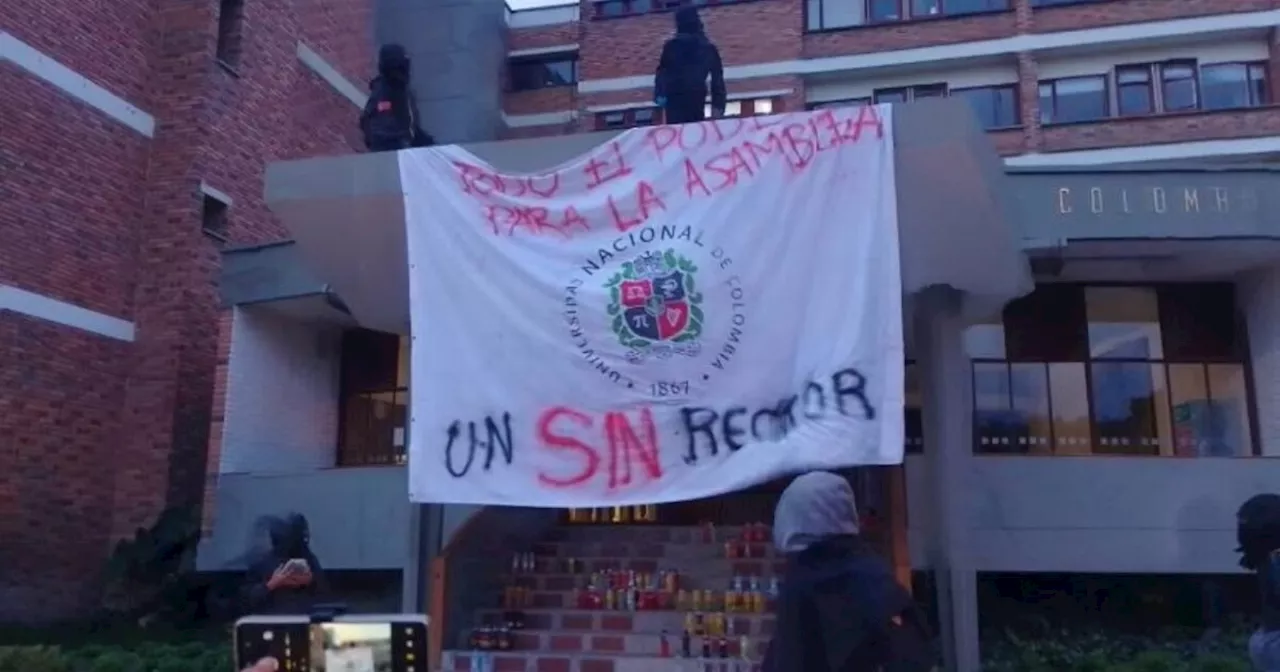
[[288, 579]]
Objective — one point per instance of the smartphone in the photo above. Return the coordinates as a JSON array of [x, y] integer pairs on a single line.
[[365, 643], [297, 566]]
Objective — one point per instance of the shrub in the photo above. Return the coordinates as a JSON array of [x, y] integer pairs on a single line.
[[33, 659], [1048, 650]]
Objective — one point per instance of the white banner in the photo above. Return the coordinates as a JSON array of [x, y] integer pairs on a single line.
[[683, 311]]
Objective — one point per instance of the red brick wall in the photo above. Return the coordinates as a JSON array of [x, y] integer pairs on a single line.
[[772, 30], [100, 216]]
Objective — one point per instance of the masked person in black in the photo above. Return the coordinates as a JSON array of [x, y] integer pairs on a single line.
[[688, 60], [839, 608], [288, 579], [390, 118], [1258, 534]]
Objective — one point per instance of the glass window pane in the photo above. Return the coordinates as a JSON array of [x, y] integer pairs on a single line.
[[1124, 399], [732, 108], [1258, 94], [1189, 398], [926, 7], [838, 13], [1233, 434], [1178, 89], [929, 91], [1225, 86], [1124, 323], [885, 10], [1029, 388], [1069, 394], [1134, 99], [891, 96], [913, 422], [764, 106], [994, 422], [1079, 99]]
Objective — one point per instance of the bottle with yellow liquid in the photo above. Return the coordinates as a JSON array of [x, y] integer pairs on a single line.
[[682, 601], [696, 600]]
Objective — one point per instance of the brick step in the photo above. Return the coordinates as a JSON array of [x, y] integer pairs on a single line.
[[601, 549], [632, 644], [584, 566], [642, 622], [537, 661], [716, 575], [641, 532], [567, 599]]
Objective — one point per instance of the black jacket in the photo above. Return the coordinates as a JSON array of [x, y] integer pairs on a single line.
[[390, 119], [290, 538], [837, 602], [688, 60]]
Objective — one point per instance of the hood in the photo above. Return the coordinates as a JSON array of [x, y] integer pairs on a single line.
[[814, 506], [289, 536], [1258, 529], [394, 63], [688, 22]]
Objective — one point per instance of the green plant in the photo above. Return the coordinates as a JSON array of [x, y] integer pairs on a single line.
[[114, 661], [151, 577], [33, 659]]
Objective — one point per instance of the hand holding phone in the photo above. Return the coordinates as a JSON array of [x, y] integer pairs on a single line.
[[298, 567]]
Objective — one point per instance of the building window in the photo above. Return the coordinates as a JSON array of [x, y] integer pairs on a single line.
[[835, 14], [1134, 92], [528, 73], [833, 104], [1116, 370], [995, 106], [214, 216], [609, 9], [1226, 86], [907, 93], [230, 28], [1178, 86], [643, 116], [648, 116], [1137, 92], [1074, 99], [374, 399]]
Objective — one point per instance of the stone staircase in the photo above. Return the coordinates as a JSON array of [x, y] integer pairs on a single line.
[[560, 636]]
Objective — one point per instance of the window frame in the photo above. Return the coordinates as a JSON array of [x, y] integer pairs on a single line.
[[1193, 67], [543, 61], [992, 89], [599, 13], [1263, 100], [905, 13], [229, 41], [1239, 356], [749, 108], [1147, 71], [1053, 84]]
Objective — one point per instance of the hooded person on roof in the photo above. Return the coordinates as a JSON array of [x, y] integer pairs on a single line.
[[688, 61], [390, 119], [840, 608]]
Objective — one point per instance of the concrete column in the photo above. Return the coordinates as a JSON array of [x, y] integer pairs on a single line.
[[1258, 294], [948, 430]]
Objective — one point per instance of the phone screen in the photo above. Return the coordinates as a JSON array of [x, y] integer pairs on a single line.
[[352, 647], [389, 643]]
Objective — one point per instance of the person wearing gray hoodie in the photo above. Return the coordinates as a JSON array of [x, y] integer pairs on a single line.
[[688, 61], [839, 608]]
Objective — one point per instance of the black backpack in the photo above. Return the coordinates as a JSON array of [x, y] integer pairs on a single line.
[[387, 123]]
